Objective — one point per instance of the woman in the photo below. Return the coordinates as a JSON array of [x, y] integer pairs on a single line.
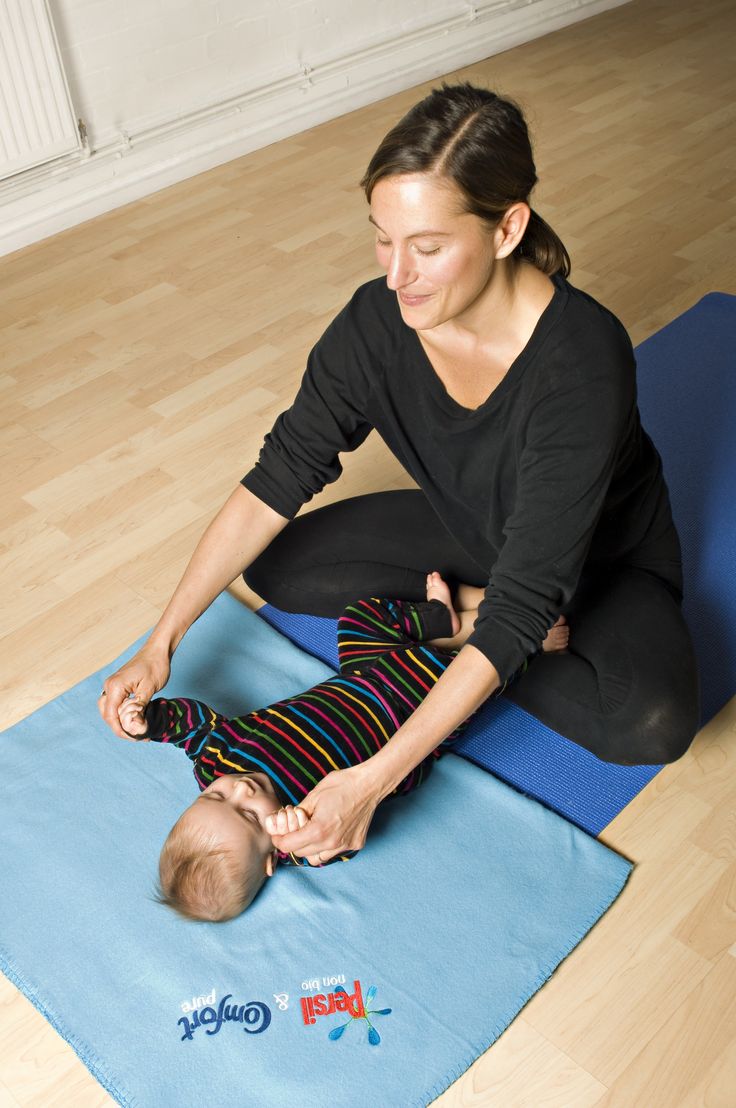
[[510, 397]]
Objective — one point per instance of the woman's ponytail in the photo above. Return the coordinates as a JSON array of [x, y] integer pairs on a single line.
[[543, 247]]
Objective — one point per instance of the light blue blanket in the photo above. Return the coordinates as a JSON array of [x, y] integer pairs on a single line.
[[376, 981]]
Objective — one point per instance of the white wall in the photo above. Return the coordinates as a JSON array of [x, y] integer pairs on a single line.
[[134, 64], [170, 88]]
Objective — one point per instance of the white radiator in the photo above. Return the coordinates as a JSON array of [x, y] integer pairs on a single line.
[[37, 123]]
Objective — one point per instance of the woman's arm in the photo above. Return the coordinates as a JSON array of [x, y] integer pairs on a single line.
[[243, 528], [342, 805]]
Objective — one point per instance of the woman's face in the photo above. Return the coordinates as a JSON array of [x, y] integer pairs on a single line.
[[438, 258]]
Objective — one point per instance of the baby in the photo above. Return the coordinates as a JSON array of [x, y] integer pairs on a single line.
[[254, 770]]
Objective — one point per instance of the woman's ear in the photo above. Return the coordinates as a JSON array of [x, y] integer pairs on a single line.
[[510, 231]]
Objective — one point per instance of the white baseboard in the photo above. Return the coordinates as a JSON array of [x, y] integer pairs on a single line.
[[59, 195]]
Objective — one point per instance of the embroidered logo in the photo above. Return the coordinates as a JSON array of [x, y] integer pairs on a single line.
[[351, 1004], [255, 1017]]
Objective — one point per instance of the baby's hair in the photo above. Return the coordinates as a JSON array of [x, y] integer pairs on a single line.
[[202, 881]]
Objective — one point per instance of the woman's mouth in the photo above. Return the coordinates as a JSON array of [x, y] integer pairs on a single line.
[[413, 301]]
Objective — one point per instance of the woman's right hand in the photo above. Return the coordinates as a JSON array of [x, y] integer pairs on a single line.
[[142, 677]]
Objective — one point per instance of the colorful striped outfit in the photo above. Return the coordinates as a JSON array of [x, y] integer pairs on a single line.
[[385, 673]]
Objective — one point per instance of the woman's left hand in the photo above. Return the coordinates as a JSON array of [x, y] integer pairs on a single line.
[[340, 810]]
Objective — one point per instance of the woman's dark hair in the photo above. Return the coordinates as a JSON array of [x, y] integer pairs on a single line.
[[480, 142]]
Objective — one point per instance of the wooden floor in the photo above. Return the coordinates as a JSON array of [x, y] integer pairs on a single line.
[[145, 354]]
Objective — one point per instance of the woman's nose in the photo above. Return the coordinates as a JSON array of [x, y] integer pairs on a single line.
[[399, 272]]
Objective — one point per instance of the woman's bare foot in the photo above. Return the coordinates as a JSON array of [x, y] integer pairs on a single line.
[[468, 597], [437, 589], [557, 638]]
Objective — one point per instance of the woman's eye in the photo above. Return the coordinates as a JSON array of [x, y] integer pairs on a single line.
[[382, 242], [427, 253]]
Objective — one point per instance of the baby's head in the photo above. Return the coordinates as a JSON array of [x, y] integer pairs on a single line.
[[218, 853]]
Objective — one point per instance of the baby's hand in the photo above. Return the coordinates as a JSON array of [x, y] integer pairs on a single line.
[[285, 820], [132, 718]]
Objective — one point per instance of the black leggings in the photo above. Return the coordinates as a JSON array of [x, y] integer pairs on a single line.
[[627, 690]]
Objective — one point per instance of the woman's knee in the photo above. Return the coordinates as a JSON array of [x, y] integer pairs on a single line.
[[655, 714], [660, 733], [648, 723], [257, 578], [312, 590]]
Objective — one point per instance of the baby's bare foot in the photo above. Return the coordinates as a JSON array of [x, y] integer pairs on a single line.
[[557, 638], [437, 589]]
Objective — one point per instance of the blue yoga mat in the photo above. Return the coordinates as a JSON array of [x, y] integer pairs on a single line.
[[425, 945], [687, 396]]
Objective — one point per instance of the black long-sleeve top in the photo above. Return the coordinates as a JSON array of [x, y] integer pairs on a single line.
[[552, 473]]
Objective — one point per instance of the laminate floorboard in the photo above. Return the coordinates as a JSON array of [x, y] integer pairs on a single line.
[[145, 354]]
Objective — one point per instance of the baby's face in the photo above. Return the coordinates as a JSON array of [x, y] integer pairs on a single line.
[[234, 809]]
